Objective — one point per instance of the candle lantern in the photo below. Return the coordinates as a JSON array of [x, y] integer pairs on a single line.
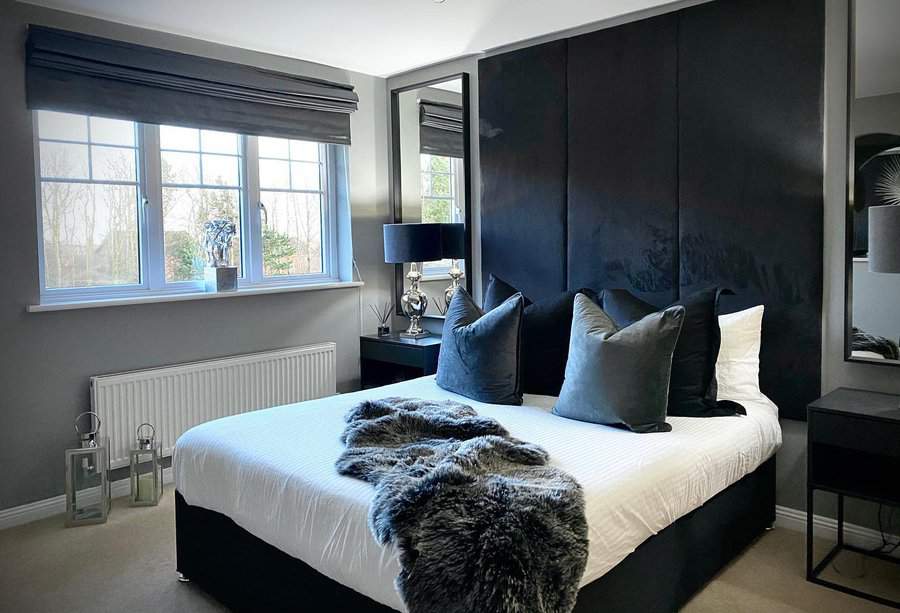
[[87, 474], [146, 468]]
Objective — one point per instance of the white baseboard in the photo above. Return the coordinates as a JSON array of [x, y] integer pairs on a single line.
[[826, 528], [48, 507]]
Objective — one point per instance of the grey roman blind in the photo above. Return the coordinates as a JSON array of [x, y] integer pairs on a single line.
[[441, 129], [77, 73]]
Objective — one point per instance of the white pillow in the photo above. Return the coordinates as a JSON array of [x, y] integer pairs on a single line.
[[737, 367]]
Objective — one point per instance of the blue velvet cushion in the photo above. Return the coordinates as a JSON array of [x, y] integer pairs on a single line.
[[479, 356], [692, 389], [619, 377], [545, 335]]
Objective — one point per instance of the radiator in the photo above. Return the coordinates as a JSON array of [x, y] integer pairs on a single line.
[[178, 397]]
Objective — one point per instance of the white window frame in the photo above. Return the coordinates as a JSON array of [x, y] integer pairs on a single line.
[[151, 239]]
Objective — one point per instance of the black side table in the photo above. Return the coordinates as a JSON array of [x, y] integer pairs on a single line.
[[853, 450], [390, 359]]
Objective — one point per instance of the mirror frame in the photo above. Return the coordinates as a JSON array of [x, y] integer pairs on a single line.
[[850, 197], [396, 183]]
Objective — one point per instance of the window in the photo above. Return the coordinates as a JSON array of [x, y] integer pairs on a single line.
[[201, 180], [122, 207], [291, 196], [88, 201], [441, 190]]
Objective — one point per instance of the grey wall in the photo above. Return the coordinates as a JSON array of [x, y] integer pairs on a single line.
[[877, 114], [47, 358], [835, 371]]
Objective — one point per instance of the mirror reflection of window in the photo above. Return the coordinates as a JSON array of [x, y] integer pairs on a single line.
[[440, 185]]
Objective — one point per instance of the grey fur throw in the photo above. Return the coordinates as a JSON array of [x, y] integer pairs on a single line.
[[481, 523]]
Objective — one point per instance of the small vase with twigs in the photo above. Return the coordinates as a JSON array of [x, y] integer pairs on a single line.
[[383, 315]]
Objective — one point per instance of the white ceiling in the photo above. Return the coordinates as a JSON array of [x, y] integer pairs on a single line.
[[375, 37], [877, 47]]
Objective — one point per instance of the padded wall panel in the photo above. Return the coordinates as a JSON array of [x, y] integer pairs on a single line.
[[750, 175], [622, 177], [522, 110]]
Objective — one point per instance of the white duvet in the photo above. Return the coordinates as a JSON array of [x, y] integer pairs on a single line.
[[272, 472]]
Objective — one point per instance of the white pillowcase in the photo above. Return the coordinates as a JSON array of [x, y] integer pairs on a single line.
[[737, 367]]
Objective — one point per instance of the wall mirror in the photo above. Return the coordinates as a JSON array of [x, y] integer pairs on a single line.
[[873, 196], [430, 165]]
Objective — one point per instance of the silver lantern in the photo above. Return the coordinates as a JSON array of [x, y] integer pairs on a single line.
[[87, 475], [146, 468]]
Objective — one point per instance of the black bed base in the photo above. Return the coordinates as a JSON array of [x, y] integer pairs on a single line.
[[247, 574]]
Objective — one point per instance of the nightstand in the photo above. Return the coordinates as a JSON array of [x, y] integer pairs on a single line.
[[390, 359], [853, 449]]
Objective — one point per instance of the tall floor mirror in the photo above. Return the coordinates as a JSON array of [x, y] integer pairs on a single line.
[[873, 198], [431, 177]]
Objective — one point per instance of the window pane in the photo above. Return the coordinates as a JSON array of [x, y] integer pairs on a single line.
[[112, 131], [436, 163], [183, 139], [274, 174], [273, 147], [90, 234], [440, 185], [113, 163], [219, 142], [62, 126], [185, 210], [183, 168], [305, 175], [221, 170], [302, 150], [292, 234], [436, 210], [64, 161]]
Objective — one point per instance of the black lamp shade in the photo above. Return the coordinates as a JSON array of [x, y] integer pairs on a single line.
[[884, 238], [412, 242], [453, 240]]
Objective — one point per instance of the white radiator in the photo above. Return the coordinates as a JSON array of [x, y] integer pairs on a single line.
[[178, 397]]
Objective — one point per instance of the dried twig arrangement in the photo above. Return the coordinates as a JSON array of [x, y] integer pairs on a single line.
[[440, 305], [383, 312]]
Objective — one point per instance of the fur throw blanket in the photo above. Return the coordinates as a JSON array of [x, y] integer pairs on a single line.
[[481, 523], [885, 347]]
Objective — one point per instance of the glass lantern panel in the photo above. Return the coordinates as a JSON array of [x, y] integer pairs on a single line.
[[88, 496], [146, 481]]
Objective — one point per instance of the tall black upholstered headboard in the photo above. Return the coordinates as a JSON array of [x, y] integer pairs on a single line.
[[667, 155]]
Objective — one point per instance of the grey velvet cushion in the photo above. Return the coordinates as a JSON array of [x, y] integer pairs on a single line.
[[479, 356], [619, 377]]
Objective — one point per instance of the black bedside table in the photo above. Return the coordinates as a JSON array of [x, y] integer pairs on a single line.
[[853, 449], [390, 359]]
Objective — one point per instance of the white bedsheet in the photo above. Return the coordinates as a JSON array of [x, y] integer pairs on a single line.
[[272, 472]]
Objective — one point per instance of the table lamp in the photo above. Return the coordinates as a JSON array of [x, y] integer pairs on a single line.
[[413, 243]]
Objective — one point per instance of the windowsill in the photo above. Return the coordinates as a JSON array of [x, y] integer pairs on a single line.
[[250, 291], [436, 277]]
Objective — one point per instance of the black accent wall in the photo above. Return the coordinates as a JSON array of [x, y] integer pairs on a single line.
[[664, 156], [522, 111]]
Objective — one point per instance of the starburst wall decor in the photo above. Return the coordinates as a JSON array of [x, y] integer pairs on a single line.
[[887, 185]]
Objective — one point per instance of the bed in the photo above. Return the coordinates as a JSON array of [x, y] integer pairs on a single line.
[[265, 522]]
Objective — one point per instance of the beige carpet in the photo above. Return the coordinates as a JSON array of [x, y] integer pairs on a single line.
[[127, 565]]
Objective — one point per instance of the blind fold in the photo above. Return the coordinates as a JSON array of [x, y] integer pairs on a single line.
[[441, 129], [68, 71]]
